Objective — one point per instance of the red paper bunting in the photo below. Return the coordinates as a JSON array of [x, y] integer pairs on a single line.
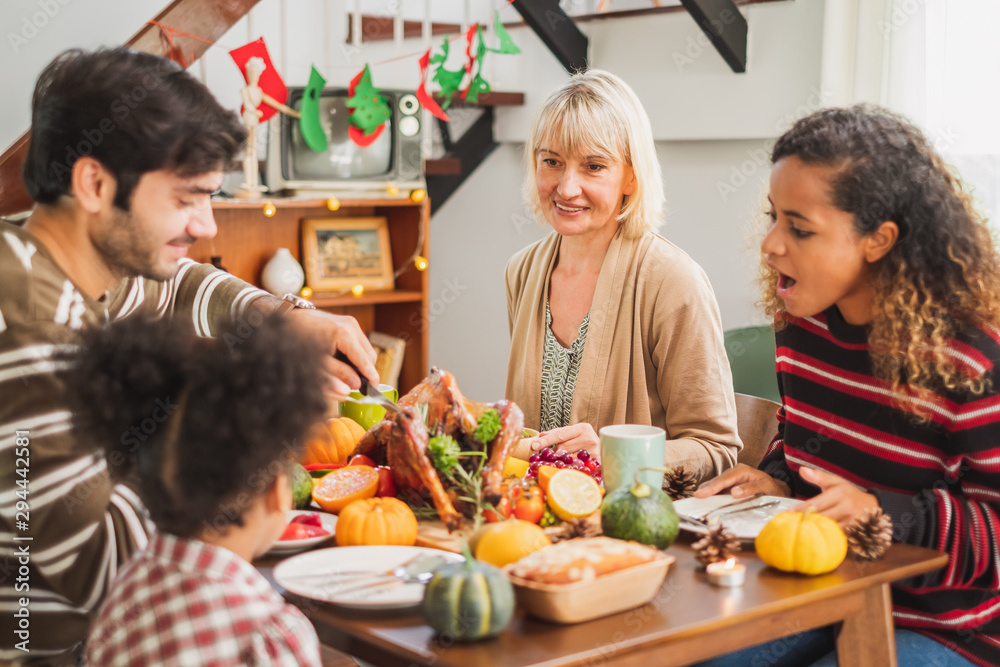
[[270, 81], [426, 100]]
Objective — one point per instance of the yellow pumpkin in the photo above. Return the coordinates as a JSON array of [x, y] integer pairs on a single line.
[[376, 521], [332, 441], [807, 542]]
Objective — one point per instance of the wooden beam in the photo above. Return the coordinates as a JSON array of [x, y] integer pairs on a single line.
[[725, 27], [208, 19], [557, 30]]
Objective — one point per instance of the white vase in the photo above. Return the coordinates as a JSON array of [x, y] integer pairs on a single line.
[[282, 274]]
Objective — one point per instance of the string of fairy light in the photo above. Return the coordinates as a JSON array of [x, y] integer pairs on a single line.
[[415, 260]]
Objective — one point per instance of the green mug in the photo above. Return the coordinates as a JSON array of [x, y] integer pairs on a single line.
[[368, 414], [627, 447]]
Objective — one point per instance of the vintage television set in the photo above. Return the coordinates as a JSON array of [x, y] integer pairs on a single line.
[[344, 168]]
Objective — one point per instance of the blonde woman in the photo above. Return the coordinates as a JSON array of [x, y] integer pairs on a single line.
[[610, 322]]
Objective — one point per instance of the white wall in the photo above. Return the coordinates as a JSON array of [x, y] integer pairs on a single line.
[[32, 32]]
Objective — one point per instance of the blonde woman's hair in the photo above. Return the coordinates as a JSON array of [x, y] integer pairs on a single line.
[[595, 111]]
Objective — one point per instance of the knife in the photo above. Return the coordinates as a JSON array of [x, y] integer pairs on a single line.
[[369, 391]]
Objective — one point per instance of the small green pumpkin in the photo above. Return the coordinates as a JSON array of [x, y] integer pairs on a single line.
[[640, 513], [468, 601]]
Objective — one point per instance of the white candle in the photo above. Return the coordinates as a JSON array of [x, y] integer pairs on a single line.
[[729, 573]]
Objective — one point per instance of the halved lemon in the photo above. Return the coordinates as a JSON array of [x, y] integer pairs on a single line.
[[572, 494]]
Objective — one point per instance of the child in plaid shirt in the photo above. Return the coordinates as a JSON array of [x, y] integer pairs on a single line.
[[205, 429]]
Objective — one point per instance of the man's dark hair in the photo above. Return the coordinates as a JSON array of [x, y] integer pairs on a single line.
[[133, 112]]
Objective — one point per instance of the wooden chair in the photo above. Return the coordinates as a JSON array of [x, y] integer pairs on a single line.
[[756, 424]]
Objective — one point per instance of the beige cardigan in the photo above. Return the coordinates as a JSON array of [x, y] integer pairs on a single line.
[[654, 352]]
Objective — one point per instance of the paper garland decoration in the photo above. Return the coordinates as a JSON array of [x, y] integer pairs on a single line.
[[507, 45], [309, 124], [448, 80], [422, 96], [270, 81], [477, 84], [370, 110]]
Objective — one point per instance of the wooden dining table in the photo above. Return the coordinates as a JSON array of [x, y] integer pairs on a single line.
[[688, 620]]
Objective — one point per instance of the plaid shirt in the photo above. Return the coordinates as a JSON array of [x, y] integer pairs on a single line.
[[185, 602]]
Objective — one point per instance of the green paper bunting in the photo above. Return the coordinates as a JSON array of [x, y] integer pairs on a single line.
[[370, 108], [507, 45], [309, 125], [476, 86]]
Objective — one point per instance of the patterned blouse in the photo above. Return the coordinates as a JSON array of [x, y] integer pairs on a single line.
[[560, 366]]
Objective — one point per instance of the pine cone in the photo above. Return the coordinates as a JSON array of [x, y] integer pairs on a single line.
[[870, 535], [679, 483], [717, 545], [567, 530]]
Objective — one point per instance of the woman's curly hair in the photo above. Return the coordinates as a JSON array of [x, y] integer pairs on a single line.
[[202, 426], [941, 276]]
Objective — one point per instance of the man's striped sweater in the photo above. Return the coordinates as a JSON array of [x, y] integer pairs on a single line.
[[65, 530], [938, 477]]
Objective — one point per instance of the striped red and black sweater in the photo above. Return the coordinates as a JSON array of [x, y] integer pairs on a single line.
[[937, 478]]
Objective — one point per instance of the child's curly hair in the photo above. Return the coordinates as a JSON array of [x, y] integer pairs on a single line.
[[941, 276], [201, 425]]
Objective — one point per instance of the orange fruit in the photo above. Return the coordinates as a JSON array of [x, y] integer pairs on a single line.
[[508, 541], [545, 474], [335, 490], [572, 494]]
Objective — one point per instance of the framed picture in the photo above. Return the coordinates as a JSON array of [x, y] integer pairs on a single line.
[[390, 356], [339, 253]]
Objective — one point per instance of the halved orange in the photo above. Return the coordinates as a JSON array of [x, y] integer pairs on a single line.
[[335, 490], [573, 494], [545, 474]]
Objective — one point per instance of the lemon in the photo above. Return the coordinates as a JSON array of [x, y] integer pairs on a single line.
[[515, 467], [509, 541], [573, 494]]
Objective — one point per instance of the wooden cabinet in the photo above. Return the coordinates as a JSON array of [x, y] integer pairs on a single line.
[[247, 239]]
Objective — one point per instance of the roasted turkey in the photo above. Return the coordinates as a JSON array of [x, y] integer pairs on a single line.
[[436, 407]]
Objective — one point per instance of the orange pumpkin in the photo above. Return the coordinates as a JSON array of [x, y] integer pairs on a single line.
[[332, 441], [376, 521]]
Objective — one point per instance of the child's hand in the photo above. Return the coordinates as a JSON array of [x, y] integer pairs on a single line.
[[743, 481], [840, 500]]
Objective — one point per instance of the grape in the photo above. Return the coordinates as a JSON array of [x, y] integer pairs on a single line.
[[596, 463], [558, 464], [591, 468], [548, 455], [559, 453], [534, 458], [567, 459], [583, 455], [579, 465]]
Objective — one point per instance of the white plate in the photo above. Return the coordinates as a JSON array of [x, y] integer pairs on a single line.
[[329, 522], [743, 525], [320, 574]]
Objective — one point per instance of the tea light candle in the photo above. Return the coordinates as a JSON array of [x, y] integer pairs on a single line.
[[729, 573]]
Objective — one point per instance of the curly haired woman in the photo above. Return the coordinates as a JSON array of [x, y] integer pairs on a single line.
[[885, 286]]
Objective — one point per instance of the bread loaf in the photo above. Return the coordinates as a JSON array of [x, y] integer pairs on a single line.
[[581, 559]]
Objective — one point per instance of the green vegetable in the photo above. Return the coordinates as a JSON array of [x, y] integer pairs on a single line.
[[549, 518], [302, 486], [640, 513], [468, 601], [487, 427], [444, 452]]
